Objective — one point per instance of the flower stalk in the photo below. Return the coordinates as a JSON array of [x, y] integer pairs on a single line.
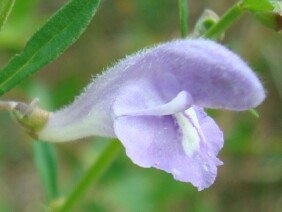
[[92, 175], [183, 17], [7, 105]]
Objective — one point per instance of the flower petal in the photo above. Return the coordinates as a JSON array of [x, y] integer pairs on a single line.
[[213, 75], [157, 141]]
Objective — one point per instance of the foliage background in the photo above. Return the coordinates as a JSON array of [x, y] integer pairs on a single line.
[[249, 180]]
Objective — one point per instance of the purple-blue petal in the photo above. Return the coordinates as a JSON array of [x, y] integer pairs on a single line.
[[213, 75], [156, 141]]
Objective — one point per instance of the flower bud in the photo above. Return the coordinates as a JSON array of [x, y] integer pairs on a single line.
[[205, 22]]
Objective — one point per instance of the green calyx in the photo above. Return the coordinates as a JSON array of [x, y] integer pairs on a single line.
[[30, 117]]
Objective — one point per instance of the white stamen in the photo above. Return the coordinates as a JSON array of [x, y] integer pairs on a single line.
[[191, 131]]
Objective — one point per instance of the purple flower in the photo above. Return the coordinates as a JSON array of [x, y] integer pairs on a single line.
[[153, 103]]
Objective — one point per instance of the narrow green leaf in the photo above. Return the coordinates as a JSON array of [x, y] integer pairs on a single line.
[[58, 33], [5, 9], [258, 5], [45, 161]]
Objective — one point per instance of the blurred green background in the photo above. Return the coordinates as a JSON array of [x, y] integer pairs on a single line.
[[249, 180]]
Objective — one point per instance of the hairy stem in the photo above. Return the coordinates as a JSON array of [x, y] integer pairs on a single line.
[[7, 105]]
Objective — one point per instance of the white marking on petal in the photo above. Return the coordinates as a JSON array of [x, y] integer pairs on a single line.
[[191, 130], [182, 101]]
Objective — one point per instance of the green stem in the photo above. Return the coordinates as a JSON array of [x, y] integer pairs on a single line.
[[183, 15], [225, 21], [92, 175], [7, 105]]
